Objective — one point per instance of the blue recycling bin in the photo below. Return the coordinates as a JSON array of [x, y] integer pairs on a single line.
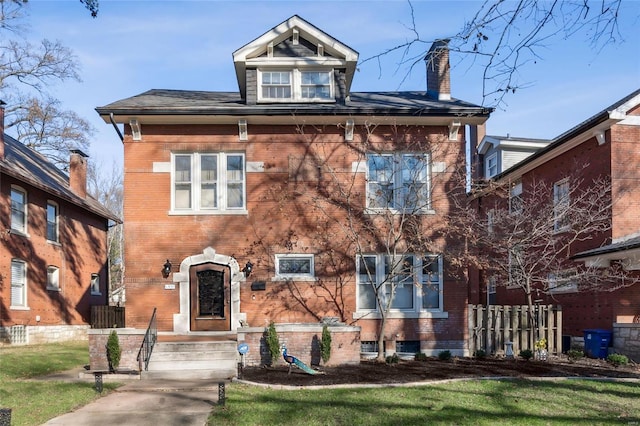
[[596, 343]]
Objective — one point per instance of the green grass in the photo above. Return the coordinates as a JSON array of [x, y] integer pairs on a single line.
[[477, 402], [35, 402]]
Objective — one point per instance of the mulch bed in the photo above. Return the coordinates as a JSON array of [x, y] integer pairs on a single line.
[[433, 369]]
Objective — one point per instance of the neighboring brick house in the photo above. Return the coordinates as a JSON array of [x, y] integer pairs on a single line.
[[606, 145], [217, 183], [53, 258]]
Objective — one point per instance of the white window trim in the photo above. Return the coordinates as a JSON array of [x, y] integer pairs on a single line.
[[221, 209], [487, 165], [56, 272], [397, 183], [296, 277], [24, 231], [568, 284], [296, 85], [92, 289], [491, 221], [417, 311], [57, 221], [25, 283]]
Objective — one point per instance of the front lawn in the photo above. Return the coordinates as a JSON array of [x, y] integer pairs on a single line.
[[473, 402], [34, 402]]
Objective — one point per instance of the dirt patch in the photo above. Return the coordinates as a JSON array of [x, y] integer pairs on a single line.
[[369, 372]]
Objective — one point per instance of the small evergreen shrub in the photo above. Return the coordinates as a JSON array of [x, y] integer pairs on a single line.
[[617, 360], [420, 356], [526, 354], [113, 351], [444, 355], [273, 343], [575, 354], [325, 344], [480, 354], [392, 359]]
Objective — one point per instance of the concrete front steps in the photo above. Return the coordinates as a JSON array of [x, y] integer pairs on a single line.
[[199, 359]]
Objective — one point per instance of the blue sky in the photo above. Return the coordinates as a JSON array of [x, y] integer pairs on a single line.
[[134, 46]]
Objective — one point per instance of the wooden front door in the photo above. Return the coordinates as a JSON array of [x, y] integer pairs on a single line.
[[210, 297]]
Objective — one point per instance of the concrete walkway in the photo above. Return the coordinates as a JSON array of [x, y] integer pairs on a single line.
[[144, 403]]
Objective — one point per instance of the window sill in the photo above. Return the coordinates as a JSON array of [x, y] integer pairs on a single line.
[[297, 101], [54, 243], [53, 289], [394, 314], [18, 233], [96, 294], [19, 308], [238, 212], [419, 212]]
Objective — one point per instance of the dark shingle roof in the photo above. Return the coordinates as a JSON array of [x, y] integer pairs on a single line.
[[185, 102], [32, 168], [630, 244]]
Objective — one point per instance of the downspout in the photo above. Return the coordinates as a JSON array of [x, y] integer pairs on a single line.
[[115, 126]]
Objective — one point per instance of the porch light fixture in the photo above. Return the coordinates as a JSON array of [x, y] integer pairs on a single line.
[[348, 130], [248, 267], [166, 269]]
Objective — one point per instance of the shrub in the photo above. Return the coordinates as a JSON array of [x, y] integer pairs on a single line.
[[526, 354], [420, 356], [444, 356], [325, 344], [113, 351], [480, 354], [273, 343], [575, 354], [392, 359], [617, 360]]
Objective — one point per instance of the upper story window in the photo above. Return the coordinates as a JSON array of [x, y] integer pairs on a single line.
[[52, 221], [398, 181], [18, 210], [208, 183], [95, 285], [491, 166], [515, 198], [417, 280], [294, 266], [18, 284], [53, 278], [295, 85], [561, 205]]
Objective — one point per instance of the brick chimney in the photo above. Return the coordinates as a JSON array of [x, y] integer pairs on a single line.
[[438, 72], [78, 173], [2, 104]]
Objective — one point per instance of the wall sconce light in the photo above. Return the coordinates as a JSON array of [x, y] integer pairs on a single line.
[[348, 130], [248, 267], [166, 269]]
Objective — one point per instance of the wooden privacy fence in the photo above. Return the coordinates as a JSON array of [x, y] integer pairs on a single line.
[[107, 317], [490, 327]]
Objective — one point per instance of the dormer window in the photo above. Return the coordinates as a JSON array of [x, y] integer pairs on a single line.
[[296, 85]]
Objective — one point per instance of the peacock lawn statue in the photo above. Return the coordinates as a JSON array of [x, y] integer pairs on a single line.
[[292, 360]]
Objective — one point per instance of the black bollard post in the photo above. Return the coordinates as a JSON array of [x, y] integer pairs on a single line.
[[5, 416], [221, 395], [98, 377]]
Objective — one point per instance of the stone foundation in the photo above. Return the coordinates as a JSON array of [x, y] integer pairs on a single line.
[[39, 334], [626, 340]]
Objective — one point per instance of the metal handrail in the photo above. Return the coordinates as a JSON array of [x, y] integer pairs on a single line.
[[150, 338]]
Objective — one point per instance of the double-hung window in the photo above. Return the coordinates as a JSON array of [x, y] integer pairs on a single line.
[[18, 210], [95, 285], [399, 182], [208, 183], [515, 198], [18, 284], [563, 282], [295, 85], [415, 281], [491, 166], [561, 205], [53, 278], [52, 221]]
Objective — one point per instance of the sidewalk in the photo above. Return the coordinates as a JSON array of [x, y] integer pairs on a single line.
[[144, 403]]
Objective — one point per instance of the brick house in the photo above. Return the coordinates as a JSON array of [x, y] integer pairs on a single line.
[[53, 257], [603, 146], [244, 196]]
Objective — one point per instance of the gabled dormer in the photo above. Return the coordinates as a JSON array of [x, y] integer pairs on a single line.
[[295, 62]]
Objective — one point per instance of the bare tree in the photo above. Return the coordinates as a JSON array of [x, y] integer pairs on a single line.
[[504, 36], [523, 238], [26, 71]]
